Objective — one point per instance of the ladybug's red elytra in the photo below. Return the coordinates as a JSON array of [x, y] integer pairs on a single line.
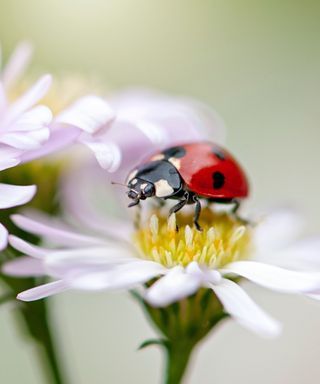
[[188, 173]]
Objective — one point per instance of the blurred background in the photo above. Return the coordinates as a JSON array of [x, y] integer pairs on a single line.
[[258, 64]]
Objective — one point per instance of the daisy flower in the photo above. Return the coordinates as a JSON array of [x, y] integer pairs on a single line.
[[24, 127], [106, 253]]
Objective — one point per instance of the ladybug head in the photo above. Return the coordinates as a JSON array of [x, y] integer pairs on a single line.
[[139, 190]]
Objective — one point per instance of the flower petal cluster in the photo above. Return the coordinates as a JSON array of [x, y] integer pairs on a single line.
[[28, 129]]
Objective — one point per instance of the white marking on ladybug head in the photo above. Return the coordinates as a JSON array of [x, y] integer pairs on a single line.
[[132, 175], [163, 188], [134, 182], [159, 156], [175, 162], [142, 186]]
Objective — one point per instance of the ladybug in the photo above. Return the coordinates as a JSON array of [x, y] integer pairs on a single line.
[[188, 173]]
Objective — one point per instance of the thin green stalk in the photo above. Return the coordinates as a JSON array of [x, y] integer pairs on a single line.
[[178, 356], [48, 357], [36, 319]]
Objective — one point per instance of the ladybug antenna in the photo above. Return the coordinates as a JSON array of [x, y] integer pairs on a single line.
[[116, 183]]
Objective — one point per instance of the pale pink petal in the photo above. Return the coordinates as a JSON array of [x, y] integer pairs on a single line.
[[25, 140], [92, 187], [28, 99], [24, 266], [13, 195], [17, 63], [43, 291], [303, 254], [27, 248], [60, 138], [33, 120], [273, 277], [90, 113], [277, 230], [8, 163], [108, 155], [124, 276], [3, 237], [173, 117], [132, 142], [240, 306], [174, 286], [3, 99], [53, 232], [85, 260]]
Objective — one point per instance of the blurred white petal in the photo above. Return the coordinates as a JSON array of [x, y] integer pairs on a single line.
[[273, 277], [89, 114], [16, 64], [277, 230], [25, 140], [54, 232], [33, 120], [13, 195], [3, 237], [27, 248], [24, 266], [108, 155], [28, 99], [174, 286], [125, 276], [43, 291], [245, 311]]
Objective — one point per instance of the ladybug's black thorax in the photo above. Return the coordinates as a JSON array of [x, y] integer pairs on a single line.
[[162, 174]]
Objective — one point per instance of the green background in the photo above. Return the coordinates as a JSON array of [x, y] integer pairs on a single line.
[[258, 64]]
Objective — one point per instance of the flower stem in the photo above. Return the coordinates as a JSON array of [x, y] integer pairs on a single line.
[[178, 356], [35, 315], [47, 356]]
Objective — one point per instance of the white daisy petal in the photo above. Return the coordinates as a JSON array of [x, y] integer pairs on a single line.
[[245, 311], [8, 163], [174, 286], [17, 63], [303, 254], [24, 266], [34, 119], [25, 140], [108, 155], [27, 248], [3, 98], [277, 230], [14, 195], [273, 277], [90, 113], [43, 291], [54, 232], [29, 99], [3, 237], [124, 276], [82, 260]]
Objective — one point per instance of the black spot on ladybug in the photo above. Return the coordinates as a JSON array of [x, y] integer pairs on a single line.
[[176, 152], [218, 153], [218, 180]]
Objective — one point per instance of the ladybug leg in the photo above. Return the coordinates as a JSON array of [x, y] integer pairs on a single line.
[[197, 212], [235, 213], [179, 205]]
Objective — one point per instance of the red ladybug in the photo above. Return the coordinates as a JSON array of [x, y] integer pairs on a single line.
[[189, 172]]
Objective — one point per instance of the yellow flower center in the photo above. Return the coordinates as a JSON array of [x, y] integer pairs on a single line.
[[222, 240]]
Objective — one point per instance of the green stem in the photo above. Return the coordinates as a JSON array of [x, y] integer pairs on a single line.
[[35, 315], [48, 357], [178, 356]]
